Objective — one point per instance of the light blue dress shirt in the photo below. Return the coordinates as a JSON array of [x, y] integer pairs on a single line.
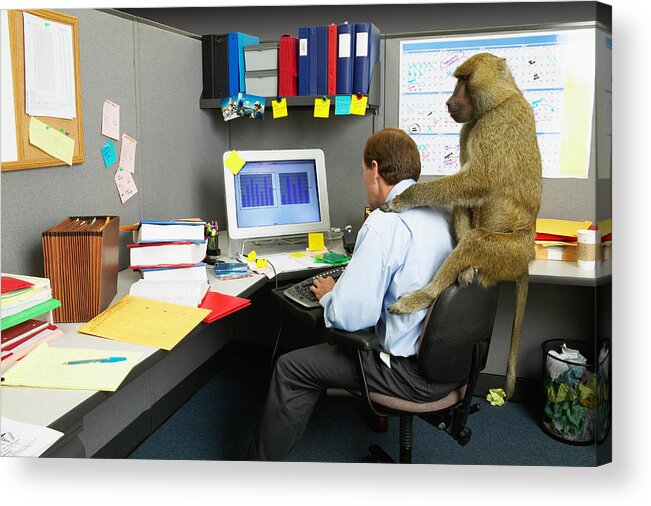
[[395, 253]]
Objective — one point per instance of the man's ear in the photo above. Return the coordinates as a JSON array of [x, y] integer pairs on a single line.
[[375, 168]]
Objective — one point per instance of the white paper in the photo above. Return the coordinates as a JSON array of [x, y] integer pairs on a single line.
[[111, 120], [184, 292], [344, 45], [361, 44], [8, 145], [128, 153], [302, 47], [49, 68], [19, 439], [126, 185]]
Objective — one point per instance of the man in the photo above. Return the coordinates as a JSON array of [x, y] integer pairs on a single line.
[[395, 253]]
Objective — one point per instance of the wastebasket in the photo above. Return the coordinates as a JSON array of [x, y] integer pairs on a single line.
[[577, 391]]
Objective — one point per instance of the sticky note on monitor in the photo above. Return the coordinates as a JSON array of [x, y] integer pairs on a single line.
[[315, 242], [234, 162]]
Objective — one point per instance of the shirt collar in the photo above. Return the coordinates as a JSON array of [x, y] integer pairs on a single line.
[[399, 188]]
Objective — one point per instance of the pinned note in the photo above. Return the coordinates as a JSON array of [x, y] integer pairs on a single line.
[[128, 153], [251, 257], [322, 107], [279, 108], [358, 105], [108, 153], [260, 263], [315, 242], [342, 105], [53, 142], [126, 185], [111, 120], [234, 162]]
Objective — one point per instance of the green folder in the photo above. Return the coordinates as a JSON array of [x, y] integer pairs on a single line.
[[31, 312]]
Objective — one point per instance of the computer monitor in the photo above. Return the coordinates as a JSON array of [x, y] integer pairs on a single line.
[[277, 193]]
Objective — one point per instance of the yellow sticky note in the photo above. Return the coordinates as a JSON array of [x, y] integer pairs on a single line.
[[279, 108], [298, 254], [315, 242], [358, 105], [321, 108], [251, 256], [50, 140], [234, 162], [261, 263]]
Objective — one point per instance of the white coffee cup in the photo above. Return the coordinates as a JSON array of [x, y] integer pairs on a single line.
[[589, 248]]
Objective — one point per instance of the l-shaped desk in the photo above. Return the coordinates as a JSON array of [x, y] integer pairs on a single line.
[[110, 424]]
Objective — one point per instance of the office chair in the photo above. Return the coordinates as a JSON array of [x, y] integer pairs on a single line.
[[453, 349]]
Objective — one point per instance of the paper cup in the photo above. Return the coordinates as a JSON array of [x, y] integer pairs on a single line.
[[589, 248]]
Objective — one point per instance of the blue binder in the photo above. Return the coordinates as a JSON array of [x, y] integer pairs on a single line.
[[345, 58], [367, 53], [307, 61], [322, 60], [236, 43]]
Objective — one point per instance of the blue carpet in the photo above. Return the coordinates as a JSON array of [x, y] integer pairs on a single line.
[[218, 422]]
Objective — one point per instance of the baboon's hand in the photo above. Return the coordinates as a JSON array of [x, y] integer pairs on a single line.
[[411, 302], [466, 277]]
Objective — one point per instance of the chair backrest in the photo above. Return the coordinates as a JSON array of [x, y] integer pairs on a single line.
[[460, 318]]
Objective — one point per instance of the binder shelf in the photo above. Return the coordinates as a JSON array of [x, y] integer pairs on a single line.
[[308, 101]]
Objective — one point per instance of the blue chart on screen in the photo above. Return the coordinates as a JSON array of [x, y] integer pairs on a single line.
[[294, 188], [256, 190]]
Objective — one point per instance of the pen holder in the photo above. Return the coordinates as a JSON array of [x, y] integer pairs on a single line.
[[213, 251]]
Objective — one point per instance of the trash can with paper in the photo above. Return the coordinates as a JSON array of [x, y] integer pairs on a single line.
[[577, 391]]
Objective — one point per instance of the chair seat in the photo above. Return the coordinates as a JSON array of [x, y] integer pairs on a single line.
[[454, 397]]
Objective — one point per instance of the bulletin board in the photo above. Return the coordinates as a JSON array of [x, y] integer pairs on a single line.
[[27, 155]]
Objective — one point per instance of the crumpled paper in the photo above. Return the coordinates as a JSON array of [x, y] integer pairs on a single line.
[[496, 396], [556, 367]]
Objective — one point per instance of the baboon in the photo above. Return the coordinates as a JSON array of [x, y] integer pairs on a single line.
[[495, 195]]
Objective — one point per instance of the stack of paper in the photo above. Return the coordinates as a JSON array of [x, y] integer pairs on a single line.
[[557, 239], [24, 297], [21, 339], [184, 292]]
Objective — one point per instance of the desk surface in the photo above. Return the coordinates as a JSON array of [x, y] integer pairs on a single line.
[[557, 272]]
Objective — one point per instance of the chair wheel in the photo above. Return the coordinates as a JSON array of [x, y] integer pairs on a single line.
[[464, 436]]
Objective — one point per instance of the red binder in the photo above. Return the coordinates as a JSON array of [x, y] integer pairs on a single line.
[[9, 284], [222, 305], [332, 59], [288, 66]]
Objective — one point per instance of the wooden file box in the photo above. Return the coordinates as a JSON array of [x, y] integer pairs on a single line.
[[81, 260]]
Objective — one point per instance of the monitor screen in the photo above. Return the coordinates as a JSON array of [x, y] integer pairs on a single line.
[[277, 192]]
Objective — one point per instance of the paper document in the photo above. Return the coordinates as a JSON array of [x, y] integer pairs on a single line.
[[8, 141], [560, 227], [53, 142], [45, 367], [186, 293], [126, 185], [19, 439], [145, 322], [128, 153], [111, 120], [49, 68]]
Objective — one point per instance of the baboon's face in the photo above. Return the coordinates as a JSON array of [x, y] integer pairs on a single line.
[[459, 104]]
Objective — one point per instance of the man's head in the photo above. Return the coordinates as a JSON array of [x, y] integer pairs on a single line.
[[390, 156]]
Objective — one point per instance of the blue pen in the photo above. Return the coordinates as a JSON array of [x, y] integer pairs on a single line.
[[107, 360]]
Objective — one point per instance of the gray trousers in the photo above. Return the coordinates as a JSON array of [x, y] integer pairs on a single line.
[[301, 375]]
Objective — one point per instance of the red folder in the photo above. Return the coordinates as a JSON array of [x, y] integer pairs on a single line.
[[24, 329], [9, 284], [332, 59], [554, 237], [221, 305], [288, 66]]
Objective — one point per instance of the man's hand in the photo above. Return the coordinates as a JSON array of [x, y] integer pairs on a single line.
[[321, 286]]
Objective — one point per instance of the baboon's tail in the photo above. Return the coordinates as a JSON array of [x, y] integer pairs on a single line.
[[521, 290]]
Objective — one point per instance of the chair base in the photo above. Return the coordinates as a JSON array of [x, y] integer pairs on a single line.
[[376, 455]]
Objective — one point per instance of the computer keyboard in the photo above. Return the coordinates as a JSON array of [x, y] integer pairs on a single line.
[[300, 292]]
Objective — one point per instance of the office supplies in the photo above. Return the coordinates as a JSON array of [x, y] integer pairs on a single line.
[[332, 59], [261, 57], [176, 272], [145, 322], [183, 292], [342, 105], [11, 284], [358, 105], [559, 229], [53, 142], [234, 162], [321, 107], [11, 353], [29, 156], [25, 439], [277, 193], [153, 231], [214, 52], [22, 330], [31, 312], [108, 154], [345, 58], [237, 41], [367, 54], [322, 61], [221, 305], [125, 184], [80, 256], [128, 153], [307, 61], [288, 66], [279, 108], [315, 242], [46, 367], [262, 82], [300, 292], [107, 360], [166, 253], [111, 120]]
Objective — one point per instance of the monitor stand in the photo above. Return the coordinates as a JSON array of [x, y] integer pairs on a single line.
[[267, 245]]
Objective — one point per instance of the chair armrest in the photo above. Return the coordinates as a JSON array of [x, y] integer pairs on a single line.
[[361, 340]]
